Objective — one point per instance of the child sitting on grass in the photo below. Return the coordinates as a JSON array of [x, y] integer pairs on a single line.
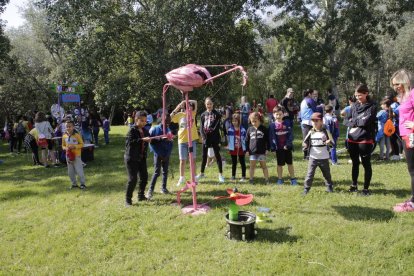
[[72, 143], [257, 144], [281, 141], [316, 143]]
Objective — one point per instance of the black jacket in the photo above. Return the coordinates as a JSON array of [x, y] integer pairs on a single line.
[[257, 140], [362, 122], [210, 127], [135, 148]]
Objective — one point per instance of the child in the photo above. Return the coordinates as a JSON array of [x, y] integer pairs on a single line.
[[135, 158], [281, 141], [30, 141], [72, 143], [183, 150], [316, 143], [210, 133], [331, 123], [257, 144], [162, 150], [236, 137], [106, 128], [381, 138]]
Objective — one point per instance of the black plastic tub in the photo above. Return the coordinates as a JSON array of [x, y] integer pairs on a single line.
[[243, 228]]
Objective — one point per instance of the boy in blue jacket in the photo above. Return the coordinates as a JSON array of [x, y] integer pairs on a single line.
[[281, 141], [162, 148]]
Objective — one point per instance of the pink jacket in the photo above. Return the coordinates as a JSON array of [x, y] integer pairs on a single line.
[[406, 111]]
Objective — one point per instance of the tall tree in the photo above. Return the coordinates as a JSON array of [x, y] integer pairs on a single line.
[[329, 37]]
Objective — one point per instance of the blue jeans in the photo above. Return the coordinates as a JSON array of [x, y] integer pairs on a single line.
[[106, 136], [334, 157], [160, 162]]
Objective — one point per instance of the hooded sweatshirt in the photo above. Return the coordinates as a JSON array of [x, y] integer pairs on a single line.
[[362, 123]]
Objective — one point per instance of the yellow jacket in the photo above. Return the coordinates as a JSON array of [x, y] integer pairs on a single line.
[[74, 139]]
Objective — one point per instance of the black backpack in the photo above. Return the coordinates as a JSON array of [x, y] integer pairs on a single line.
[[20, 128]]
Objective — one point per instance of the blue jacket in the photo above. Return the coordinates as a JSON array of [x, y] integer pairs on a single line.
[[232, 139], [287, 130], [160, 147], [307, 108], [331, 124], [382, 117]]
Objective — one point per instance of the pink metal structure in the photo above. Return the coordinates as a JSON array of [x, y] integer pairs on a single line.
[[185, 79]]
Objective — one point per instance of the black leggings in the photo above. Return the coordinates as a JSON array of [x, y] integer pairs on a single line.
[[409, 155], [364, 151], [234, 165], [396, 144], [216, 149]]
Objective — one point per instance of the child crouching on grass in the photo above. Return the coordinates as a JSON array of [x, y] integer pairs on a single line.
[[281, 141], [72, 143], [316, 143], [257, 144]]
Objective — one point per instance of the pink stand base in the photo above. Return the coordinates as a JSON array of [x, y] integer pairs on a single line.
[[200, 210]]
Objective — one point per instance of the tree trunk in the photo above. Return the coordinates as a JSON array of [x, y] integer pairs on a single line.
[[111, 114]]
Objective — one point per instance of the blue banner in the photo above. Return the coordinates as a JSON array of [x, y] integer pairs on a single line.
[[70, 98]]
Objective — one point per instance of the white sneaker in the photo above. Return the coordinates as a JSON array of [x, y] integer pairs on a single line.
[[242, 179], [395, 158], [402, 156], [221, 178], [200, 176], [181, 181]]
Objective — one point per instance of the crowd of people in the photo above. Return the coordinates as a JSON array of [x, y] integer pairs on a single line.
[[245, 134], [249, 131]]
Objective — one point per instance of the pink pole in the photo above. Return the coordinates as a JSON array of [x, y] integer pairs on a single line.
[[189, 114], [228, 71]]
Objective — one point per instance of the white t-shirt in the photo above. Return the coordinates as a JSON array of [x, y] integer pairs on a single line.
[[318, 149]]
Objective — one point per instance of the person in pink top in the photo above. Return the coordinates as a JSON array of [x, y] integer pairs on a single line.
[[403, 83], [270, 104]]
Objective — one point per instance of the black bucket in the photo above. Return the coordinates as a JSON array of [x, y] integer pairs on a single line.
[[243, 228]]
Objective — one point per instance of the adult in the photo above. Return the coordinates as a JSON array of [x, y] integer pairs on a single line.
[[307, 108], [210, 134], [403, 83], [10, 134], [20, 129], [244, 111], [361, 137], [288, 102], [179, 115], [45, 131], [271, 103], [320, 104]]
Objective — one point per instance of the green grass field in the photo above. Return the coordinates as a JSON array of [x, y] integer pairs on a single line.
[[45, 228]]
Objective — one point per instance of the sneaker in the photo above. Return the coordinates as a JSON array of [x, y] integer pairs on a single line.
[[200, 176], [233, 178], [56, 165], [329, 189], [149, 194], [142, 198], [242, 179], [305, 191], [251, 181], [267, 181], [366, 192], [82, 186], [293, 181], [128, 204], [221, 178], [279, 181], [83, 164], [74, 187], [165, 191], [407, 206], [353, 189], [181, 181], [335, 164], [395, 158]]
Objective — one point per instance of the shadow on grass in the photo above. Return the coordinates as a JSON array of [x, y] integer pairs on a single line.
[[364, 213], [279, 235], [16, 195]]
